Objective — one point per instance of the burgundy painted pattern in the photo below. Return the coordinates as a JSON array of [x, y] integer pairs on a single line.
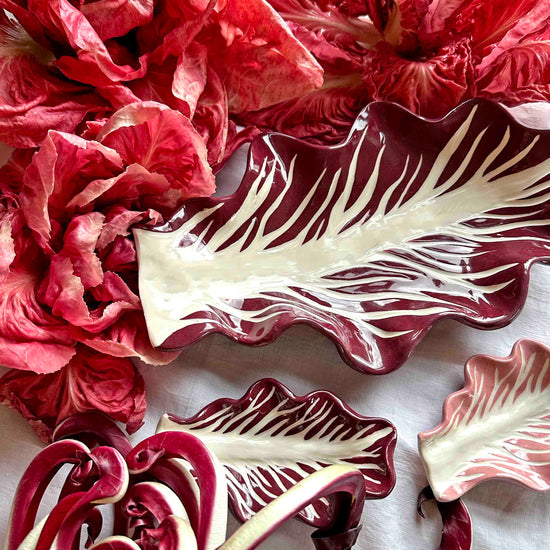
[[371, 241], [270, 439], [497, 426]]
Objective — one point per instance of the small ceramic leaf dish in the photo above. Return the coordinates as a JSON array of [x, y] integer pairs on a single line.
[[371, 241], [270, 439], [497, 426]]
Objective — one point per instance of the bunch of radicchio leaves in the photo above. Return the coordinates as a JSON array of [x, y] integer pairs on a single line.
[[118, 111], [169, 492]]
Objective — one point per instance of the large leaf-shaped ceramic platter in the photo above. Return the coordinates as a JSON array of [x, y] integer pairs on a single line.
[[497, 427], [371, 241], [270, 439]]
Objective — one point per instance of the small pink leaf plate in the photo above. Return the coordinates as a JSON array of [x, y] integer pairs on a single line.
[[498, 426], [371, 241], [270, 439]]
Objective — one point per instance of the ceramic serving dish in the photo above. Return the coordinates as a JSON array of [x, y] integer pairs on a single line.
[[270, 439], [498, 426], [370, 241]]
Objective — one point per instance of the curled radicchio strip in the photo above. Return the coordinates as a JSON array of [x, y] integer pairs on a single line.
[[34, 483], [207, 470], [169, 492], [95, 429], [457, 523], [66, 519]]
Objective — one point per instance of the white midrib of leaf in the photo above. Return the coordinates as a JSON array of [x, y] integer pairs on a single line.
[[177, 281], [484, 436], [234, 449]]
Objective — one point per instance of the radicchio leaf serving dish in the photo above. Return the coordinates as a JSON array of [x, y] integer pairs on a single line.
[[497, 426], [270, 439], [371, 241]]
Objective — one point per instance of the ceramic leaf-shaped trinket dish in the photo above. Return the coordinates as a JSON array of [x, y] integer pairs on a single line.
[[270, 439], [497, 426], [370, 241]]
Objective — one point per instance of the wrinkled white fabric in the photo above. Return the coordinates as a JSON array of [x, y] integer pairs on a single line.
[[505, 516]]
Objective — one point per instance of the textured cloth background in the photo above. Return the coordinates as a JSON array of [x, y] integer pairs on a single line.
[[505, 516]]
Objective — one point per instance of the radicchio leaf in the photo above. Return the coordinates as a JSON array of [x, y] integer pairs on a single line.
[[457, 524], [65, 521], [162, 141], [496, 427], [484, 22], [34, 98], [371, 241], [34, 483], [331, 20], [257, 77], [96, 426], [112, 18], [115, 543], [93, 63], [398, 21], [270, 439], [430, 87], [517, 69], [31, 338], [210, 477], [91, 381], [324, 115]]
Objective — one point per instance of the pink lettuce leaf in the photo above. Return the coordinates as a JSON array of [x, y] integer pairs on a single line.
[[211, 117], [339, 23], [34, 96], [7, 243], [431, 87], [258, 59], [162, 141], [324, 115], [112, 18], [60, 169], [63, 291], [93, 61], [484, 22], [91, 381], [79, 244], [127, 338], [518, 68], [31, 338], [398, 21]]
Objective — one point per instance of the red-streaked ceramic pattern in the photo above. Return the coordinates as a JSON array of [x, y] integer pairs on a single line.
[[270, 439], [498, 426], [371, 241]]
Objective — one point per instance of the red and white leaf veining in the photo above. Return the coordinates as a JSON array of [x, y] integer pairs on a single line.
[[498, 426], [270, 439], [371, 241]]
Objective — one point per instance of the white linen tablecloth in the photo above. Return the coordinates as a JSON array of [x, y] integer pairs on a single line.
[[505, 516]]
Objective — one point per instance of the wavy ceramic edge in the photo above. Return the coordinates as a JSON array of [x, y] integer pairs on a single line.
[[255, 389], [288, 320], [514, 360]]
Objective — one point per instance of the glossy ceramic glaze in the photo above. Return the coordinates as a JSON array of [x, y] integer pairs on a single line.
[[498, 426], [270, 439], [371, 241]]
